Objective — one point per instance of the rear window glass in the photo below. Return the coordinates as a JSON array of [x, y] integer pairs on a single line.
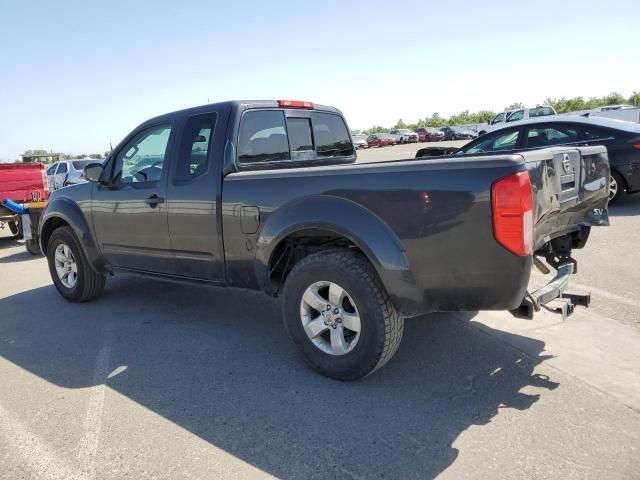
[[79, 165], [541, 112], [331, 136], [263, 137], [299, 130]]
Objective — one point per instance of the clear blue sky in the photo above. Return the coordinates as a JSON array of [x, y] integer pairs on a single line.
[[75, 75]]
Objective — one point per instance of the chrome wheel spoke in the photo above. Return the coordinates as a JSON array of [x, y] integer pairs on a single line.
[[336, 294], [351, 321], [338, 343], [315, 327], [314, 300]]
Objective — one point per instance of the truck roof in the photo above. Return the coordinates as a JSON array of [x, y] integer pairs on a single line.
[[248, 104]]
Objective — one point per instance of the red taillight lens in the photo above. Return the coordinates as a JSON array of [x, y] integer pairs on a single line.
[[636, 146], [295, 104], [45, 181], [512, 202]]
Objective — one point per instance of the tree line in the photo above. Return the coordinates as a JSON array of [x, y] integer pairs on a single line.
[[561, 105], [67, 156]]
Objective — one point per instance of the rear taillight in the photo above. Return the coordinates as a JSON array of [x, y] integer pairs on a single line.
[[45, 182], [295, 104], [512, 202], [636, 146]]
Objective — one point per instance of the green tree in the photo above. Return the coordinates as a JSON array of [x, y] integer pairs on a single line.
[[515, 106], [96, 156], [400, 124], [634, 99]]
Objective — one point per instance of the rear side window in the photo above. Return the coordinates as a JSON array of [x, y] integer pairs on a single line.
[[331, 136], [62, 168], [263, 137], [544, 136], [593, 133], [194, 147]]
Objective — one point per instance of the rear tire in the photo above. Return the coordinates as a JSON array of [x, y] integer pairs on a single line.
[[364, 296], [71, 273], [616, 187], [16, 228], [33, 247]]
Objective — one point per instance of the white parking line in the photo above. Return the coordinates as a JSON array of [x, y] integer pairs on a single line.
[[88, 446], [41, 459]]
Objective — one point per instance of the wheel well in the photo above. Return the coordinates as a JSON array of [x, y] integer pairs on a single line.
[[624, 180], [299, 245], [47, 230]]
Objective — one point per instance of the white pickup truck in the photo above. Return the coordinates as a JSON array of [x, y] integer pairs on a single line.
[[516, 115]]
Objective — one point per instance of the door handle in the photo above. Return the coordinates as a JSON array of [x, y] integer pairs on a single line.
[[153, 200]]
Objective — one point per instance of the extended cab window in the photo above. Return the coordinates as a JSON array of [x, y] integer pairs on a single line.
[[51, 170], [142, 159], [263, 137], [544, 136], [494, 142], [194, 146], [331, 136], [62, 168]]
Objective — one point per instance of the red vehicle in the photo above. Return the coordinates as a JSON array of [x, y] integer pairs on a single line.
[[429, 134], [22, 183], [380, 140]]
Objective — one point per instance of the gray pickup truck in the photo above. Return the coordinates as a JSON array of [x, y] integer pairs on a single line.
[[266, 195]]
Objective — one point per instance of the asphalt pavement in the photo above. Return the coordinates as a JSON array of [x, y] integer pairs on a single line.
[[158, 380]]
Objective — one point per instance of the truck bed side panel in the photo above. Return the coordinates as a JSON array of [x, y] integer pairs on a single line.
[[440, 212]]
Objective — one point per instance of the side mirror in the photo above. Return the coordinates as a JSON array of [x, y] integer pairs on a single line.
[[93, 171]]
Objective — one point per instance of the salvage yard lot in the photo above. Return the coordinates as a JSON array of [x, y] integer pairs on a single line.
[[173, 381]]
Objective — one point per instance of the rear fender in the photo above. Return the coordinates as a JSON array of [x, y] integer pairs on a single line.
[[353, 222]]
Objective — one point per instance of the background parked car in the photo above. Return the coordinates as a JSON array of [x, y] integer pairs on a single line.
[[360, 141], [622, 140], [380, 140], [429, 134], [67, 172], [517, 115], [456, 133], [404, 135]]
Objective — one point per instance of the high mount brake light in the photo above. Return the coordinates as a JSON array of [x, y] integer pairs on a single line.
[[512, 202], [295, 104]]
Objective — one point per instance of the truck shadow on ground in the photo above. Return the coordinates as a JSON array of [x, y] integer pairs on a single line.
[[217, 363]]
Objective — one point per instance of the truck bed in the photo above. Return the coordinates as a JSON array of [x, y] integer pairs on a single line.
[[439, 211], [22, 182]]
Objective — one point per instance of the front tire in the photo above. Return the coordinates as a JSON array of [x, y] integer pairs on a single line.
[[338, 314], [70, 271]]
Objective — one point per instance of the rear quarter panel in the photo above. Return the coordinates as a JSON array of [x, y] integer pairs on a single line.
[[438, 210]]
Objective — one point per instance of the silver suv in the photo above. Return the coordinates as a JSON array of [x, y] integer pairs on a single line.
[[67, 172]]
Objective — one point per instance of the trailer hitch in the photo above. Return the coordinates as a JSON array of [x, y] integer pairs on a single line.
[[553, 296]]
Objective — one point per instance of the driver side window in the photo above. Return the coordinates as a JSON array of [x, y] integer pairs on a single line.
[[141, 160]]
